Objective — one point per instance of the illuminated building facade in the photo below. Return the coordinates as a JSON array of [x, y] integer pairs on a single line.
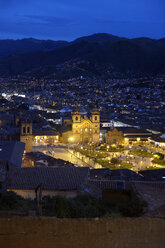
[[44, 139], [114, 137], [84, 129], [26, 135], [41, 137]]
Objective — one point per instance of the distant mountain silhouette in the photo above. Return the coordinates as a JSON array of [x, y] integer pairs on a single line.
[[101, 50], [99, 38], [10, 47]]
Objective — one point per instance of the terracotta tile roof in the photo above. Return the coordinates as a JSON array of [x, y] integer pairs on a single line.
[[51, 178]]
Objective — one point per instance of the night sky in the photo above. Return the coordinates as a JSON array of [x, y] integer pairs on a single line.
[[69, 19]]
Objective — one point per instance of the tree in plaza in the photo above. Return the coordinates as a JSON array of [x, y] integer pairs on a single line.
[[115, 161]]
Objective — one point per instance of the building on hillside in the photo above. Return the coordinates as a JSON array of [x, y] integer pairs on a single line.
[[45, 136], [124, 135], [66, 181], [158, 141], [153, 175], [105, 174], [134, 135], [84, 129], [21, 129], [11, 153]]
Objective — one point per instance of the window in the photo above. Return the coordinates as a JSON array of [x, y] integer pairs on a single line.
[[28, 129], [76, 118], [95, 118], [24, 129]]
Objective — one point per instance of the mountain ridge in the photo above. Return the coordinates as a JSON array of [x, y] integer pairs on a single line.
[[104, 50]]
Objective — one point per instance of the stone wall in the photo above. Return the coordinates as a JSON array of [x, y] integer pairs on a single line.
[[28, 232], [28, 140]]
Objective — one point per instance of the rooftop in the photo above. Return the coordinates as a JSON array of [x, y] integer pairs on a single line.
[[51, 178], [12, 152]]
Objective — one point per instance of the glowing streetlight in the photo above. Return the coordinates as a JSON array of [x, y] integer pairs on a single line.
[[71, 139]]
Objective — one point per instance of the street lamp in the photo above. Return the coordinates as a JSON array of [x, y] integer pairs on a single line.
[[126, 140], [71, 139]]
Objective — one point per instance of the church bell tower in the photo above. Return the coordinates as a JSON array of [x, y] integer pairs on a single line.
[[26, 134]]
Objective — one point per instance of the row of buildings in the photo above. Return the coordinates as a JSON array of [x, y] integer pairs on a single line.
[[68, 181], [89, 129], [78, 128], [137, 101]]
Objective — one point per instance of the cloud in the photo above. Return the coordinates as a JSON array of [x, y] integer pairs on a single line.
[[48, 19], [72, 18], [106, 21]]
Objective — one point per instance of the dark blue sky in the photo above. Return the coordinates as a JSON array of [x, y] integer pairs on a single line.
[[69, 19]]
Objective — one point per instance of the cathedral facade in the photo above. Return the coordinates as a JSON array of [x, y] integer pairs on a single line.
[[114, 136], [84, 129]]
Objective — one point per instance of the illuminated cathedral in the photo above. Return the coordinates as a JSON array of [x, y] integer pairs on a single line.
[[84, 129]]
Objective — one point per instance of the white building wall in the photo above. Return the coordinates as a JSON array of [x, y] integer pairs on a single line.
[[31, 193]]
